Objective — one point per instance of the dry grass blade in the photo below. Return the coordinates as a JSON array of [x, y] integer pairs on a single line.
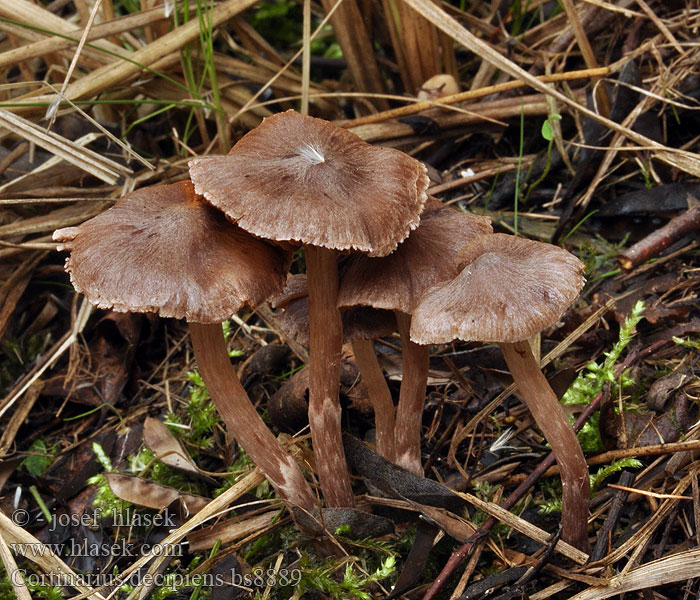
[[250, 481], [681, 159], [230, 530], [587, 52], [91, 162], [498, 88], [679, 567], [43, 556], [53, 355], [349, 27], [56, 43], [525, 527], [17, 581], [660, 25], [24, 11], [61, 217], [52, 111], [113, 75]]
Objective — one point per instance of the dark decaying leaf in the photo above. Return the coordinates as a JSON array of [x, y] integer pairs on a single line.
[[226, 568], [288, 407], [633, 429], [416, 560], [67, 476], [395, 481], [660, 200], [150, 494], [349, 522], [661, 390]]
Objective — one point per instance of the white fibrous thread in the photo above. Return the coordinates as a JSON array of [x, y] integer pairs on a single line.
[[312, 154]]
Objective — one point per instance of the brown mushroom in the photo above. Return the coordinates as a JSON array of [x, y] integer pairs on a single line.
[[510, 289], [361, 325], [300, 179], [397, 282], [162, 249]]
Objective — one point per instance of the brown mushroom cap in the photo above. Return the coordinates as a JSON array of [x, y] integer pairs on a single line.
[[358, 323], [299, 178], [163, 249], [510, 289], [427, 257]]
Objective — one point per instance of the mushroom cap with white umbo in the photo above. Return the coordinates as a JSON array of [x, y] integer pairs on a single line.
[[302, 179], [428, 256], [510, 289], [163, 249]]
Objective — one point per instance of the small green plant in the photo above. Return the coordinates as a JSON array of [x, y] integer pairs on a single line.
[[40, 459], [614, 467], [6, 590], [554, 505], [689, 343], [354, 583], [201, 414], [599, 258], [547, 134], [595, 375], [105, 499]]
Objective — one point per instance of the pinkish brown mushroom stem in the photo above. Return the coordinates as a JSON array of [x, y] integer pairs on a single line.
[[551, 419], [243, 421], [379, 395], [325, 348], [409, 412]]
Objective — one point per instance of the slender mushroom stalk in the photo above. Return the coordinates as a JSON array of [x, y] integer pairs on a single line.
[[241, 418], [162, 249], [379, 396], [552, 421], [360, 326], [414, 381], [510, 289], [297, 178], [325, 348], [397, 282]]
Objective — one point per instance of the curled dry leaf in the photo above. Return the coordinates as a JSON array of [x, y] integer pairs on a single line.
[[152, 495], [158, 438]]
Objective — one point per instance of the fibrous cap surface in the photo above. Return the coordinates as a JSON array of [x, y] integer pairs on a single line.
[[510, 289], [428, 256], [163, 249], [298, 178]]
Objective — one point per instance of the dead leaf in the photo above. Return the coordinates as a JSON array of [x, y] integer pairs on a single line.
[[150, 494], [157, 437]]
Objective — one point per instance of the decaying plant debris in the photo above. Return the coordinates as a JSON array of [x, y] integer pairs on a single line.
[[588, 110]]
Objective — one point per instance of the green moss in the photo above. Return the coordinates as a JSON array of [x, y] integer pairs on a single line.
[[200, 413], [594, 376]]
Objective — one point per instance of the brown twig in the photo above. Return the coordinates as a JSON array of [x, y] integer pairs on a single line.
[[659, 240], [412, 109]]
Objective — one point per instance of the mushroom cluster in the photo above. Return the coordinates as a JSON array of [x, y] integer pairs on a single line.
[[204, 249]]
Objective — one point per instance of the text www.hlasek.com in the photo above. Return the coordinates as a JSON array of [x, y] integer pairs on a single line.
[[85, 548]]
